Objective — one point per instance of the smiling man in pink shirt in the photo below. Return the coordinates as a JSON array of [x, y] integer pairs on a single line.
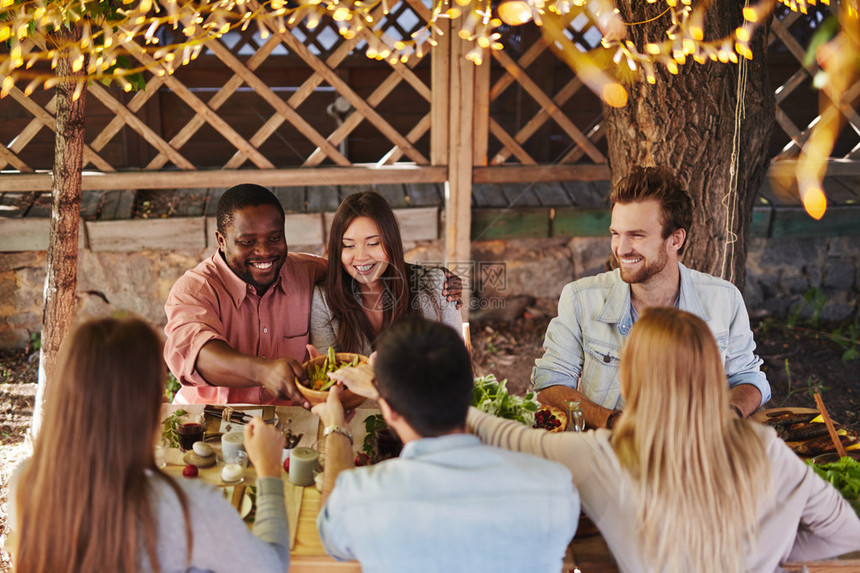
[[237, 323]]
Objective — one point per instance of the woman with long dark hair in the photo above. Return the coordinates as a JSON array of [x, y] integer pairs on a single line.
[[369, 284], [682, 484], [92, 499]]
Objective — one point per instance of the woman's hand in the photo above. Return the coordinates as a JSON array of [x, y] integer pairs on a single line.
[[331, 411], [453, 288], [312, 351], [359, 379], [264, 445]]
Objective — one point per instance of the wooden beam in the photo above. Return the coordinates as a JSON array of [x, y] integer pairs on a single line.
[[835, 168], [147, 234], [418, 224], [24, 234], [573, 222], [298, 177], [539, 173], [440, 78], [458, 196], [794, 222], [521, 223]]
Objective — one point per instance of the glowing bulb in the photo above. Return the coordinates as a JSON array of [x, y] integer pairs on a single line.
[[514, 12], [815, 202], [614, 94]]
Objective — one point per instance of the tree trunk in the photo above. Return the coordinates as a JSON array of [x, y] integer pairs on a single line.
[[61, 278], [688, 122]]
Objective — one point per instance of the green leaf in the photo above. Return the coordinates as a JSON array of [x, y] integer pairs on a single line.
[[850, 354]]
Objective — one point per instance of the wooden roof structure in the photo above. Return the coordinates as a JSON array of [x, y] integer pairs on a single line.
[[514, 147]]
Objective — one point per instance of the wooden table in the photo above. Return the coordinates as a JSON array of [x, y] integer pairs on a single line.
[[589, 554], [308, 554]]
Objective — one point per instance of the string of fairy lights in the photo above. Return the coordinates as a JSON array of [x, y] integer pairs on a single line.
[[105, 33], [109, 30]]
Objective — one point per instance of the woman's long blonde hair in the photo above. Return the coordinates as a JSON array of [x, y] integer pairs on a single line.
[[697, 469], [84, 498]]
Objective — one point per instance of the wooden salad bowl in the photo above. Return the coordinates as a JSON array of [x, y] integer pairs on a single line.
[[348, 399]]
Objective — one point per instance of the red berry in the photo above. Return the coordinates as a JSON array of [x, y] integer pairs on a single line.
[[190, 471], [362, 459], [287, 464]]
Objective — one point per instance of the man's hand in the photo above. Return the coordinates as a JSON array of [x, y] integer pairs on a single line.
[[264, 445], [453, 288], [359, 379], [331, 411], [278, 377], [221, 365], [745, 398]]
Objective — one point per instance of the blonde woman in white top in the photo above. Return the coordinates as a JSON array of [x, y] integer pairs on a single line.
[[682, 484]]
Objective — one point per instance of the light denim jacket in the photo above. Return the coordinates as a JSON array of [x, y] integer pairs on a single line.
[[594, 320], [449, 505]]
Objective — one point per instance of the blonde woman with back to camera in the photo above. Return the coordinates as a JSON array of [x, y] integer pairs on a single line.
[[91, 497], [682, 484]]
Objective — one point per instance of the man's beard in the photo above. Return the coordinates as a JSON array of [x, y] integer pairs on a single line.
[[647, 270]]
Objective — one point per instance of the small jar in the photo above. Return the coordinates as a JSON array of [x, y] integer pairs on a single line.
[[575, 417]]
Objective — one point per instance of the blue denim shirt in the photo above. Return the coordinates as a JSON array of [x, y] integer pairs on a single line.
[[451, 504], [594, 320]]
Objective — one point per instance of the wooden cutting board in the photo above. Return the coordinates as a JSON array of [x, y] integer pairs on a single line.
[[763, 415]]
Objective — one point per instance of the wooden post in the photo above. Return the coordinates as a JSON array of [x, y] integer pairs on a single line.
[[482, 111], [440, 71], [458, 187]]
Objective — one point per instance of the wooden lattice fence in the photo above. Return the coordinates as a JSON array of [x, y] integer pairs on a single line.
[[307, 110]]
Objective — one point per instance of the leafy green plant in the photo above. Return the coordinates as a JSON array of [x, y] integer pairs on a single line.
[[812, 386], [845, 477], [814, 300], [372, 424], [491, 396], [848, 337], [171, 387], [170, 427], [35, 341]]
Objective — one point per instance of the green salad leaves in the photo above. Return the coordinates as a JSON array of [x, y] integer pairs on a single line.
[[318, 373], [492, 397], [845, 476]]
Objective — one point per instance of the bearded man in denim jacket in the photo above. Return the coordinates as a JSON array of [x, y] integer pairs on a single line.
[[651, 215]]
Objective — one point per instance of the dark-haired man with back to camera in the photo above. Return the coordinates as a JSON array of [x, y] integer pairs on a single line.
[[238, 323], [651, 217], [448, 504]]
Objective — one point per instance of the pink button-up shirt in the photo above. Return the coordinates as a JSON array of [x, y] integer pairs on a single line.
[[209, 302]]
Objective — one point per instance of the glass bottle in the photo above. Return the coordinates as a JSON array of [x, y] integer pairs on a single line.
[[575, 417]]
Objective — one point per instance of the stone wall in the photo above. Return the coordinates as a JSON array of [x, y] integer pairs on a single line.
[[779, 273]]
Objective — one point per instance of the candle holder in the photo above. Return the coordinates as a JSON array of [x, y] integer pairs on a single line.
[[231, 467]]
